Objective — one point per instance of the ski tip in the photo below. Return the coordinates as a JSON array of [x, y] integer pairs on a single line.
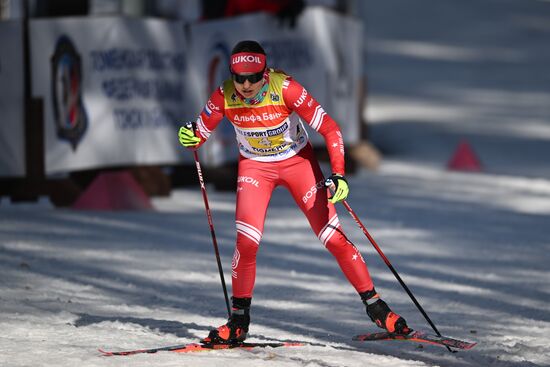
[[469, 345], [105, 353], [418, 336]]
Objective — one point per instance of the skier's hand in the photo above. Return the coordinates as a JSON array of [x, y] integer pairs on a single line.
[[187, 136], [339, 185]]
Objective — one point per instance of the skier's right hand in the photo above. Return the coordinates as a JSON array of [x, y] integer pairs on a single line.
[[187, 136]]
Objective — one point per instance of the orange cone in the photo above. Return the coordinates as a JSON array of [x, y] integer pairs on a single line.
[[464, 159], [114, 191]]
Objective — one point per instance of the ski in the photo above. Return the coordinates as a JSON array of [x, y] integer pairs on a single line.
[[201, 347], [418, 336]]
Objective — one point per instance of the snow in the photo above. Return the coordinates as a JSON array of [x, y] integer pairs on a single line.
[[472, 247]]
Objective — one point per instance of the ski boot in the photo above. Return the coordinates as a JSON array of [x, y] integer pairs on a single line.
[[236, 328], [382, 316]]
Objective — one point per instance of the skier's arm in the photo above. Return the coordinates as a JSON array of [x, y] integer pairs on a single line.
[[298, 99], [208, 120]]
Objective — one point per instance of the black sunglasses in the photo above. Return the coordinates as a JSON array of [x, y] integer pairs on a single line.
[[252, 78]]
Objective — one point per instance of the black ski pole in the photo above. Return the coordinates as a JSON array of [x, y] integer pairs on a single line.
[[329, 183], [211, 224]]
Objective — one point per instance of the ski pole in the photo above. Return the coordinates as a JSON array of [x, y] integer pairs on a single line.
[[329, 183], [212, 232]]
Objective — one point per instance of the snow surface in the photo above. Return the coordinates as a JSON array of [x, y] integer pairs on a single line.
[[473, 248]]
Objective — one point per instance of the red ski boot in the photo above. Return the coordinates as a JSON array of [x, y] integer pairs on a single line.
[[236, 328], [381, 315]]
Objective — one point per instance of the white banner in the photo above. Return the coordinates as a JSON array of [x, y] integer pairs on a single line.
[[323, 53], [114, 90], [12, 138]]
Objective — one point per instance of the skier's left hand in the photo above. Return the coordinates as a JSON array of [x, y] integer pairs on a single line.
[[339, 185]]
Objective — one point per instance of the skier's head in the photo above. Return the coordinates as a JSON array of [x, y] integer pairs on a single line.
[[248, 66]]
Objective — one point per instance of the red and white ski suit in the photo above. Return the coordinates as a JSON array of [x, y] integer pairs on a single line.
[[274, 150]]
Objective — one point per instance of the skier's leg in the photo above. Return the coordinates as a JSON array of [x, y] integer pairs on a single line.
[[311, 195], [255, 185]]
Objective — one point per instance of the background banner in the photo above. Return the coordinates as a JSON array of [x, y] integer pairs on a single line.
[[114, 90], [12, 137]]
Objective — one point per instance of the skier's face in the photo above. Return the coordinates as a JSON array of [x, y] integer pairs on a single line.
[[248, 85]]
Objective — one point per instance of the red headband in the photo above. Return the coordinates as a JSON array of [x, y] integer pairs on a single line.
[[247, 62]]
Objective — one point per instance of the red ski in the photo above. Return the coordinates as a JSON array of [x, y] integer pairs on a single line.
[[201, 347], [418, 336]]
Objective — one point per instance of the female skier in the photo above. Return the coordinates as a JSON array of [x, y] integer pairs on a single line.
[[275, 150]]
